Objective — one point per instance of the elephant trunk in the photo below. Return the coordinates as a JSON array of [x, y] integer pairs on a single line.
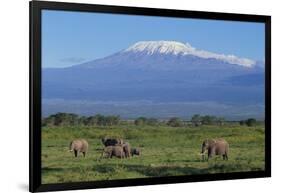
[[71, 147]]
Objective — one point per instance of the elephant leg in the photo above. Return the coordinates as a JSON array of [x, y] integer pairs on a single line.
[[75, 153], [209, 156], [211, 152], [226, 156]]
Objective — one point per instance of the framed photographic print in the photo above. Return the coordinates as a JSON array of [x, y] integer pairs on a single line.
[[125, 96]]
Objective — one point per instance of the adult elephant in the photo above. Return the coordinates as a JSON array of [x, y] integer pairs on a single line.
[[111, 141], [113, 151], [215, 147], [127, 149], [79, 145]]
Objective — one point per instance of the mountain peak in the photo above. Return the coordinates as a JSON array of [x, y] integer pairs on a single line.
[[179, 48], [163, 47]]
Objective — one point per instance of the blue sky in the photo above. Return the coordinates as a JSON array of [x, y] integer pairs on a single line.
[[70, 38]]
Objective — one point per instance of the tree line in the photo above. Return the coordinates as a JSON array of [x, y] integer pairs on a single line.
[[67, 119], [249, 122], [63, 119], [198, 120]]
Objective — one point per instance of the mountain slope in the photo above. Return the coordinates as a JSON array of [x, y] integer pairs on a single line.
[[169, 55], [159, 71]]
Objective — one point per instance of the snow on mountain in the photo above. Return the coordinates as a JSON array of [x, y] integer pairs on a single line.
[[178, 48], [163, 47]]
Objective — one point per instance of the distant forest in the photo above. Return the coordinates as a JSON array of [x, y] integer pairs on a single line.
[[70, 119]]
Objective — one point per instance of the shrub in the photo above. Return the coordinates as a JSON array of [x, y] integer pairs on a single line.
[[208, 120], [196, 120], [175, 122], [140, 121], [251, 122], [242, 122]]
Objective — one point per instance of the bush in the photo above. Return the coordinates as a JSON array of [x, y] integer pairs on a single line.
[[251, 122], [196, 120], [242, 122], [92, 120], [175, 122], [209, 120], [140, 121]]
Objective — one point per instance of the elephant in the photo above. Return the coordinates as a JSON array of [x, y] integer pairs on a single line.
[[110, 151], [111, 141], [79, 145], [127, 149], [215, 147], [135, 151]]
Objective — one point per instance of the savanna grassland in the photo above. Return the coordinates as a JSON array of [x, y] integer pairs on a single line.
[[166, 151]]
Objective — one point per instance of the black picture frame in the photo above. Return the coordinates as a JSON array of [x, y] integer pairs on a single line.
[[36, 7]]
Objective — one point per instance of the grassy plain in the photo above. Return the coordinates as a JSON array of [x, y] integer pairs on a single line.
[[166, 151]]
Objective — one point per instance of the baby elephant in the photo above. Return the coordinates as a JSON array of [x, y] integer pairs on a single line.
[[215, 147], [135, 151], [79, 145], [111, 151]]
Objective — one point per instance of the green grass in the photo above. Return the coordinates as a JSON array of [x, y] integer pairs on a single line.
[[166, 151]]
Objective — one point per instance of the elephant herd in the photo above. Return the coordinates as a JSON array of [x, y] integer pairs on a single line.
[[118, 148], [114, 147]]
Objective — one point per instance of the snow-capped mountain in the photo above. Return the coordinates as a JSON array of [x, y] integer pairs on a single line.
[[178, 48], [169, 56], [159, 71]]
